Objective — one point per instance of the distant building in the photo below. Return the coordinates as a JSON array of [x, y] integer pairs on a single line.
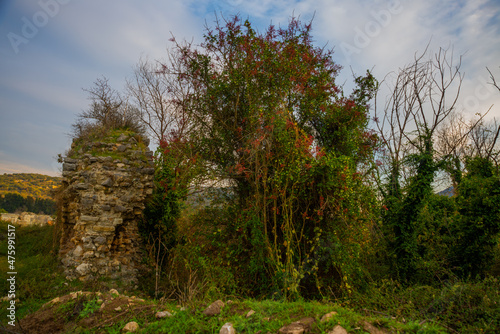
[[27, 219]]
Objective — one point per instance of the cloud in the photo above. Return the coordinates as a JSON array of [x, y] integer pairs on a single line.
[[119, 32], [10, 165], [41, 86]]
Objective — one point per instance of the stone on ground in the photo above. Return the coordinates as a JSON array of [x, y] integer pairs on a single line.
[[130, 327], [328, 316], [164, 314], [338, 330], [227, 329], [372, 329], [250, 313], [214, 308]]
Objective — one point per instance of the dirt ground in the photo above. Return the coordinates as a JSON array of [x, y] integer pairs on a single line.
[[80, 311]]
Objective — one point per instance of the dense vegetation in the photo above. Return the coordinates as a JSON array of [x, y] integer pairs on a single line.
[[299, 195], [28, 192], [270, 183], [454, 306], [12, 202], [34, 185]]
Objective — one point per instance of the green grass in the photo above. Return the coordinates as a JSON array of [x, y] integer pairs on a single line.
[[270, 316], [111, 137], [453, 307], [39, 278], [460, 306]]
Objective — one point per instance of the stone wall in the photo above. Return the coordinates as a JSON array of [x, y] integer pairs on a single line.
[[104, 188]]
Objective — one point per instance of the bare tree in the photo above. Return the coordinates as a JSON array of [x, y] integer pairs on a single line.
[[423, 94], [159, 94], [107, 110], [459, 139], [483, 141], [492, 77]]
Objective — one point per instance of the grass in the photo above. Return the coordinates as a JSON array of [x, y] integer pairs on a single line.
[[38, 278], [453, 307], [270, 316], [111, 137], [460, 306]]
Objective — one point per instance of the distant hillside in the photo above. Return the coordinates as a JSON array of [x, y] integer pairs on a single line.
[[34, 185]]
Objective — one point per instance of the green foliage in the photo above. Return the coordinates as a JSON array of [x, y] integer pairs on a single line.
[[404, 206], [39, 277], [13, 202], [89, 307], [434, 239], [269, 118], [478, 228], [459, 306], [25, 184], [164, 207]]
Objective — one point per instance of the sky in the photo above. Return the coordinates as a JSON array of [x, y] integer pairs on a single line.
[[50, 50]]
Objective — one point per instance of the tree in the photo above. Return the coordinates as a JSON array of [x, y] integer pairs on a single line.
[[158, 97], [424, 95], [478, 229], [12, 202], [108, 110], [268, 118]]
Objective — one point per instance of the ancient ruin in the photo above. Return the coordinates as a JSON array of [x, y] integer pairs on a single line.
[[104, 188]]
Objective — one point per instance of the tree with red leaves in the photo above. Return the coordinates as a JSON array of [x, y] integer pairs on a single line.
[[266, 115]]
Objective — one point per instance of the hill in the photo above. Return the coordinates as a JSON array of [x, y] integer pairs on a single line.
[[24, 184]]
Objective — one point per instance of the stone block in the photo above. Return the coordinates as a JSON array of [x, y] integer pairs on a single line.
[[88, 254], [107, 183], [148, 171], [100, 228], [67, 167], [81, 186], [122, 137], [119, 208], [102, 248], [78, 251], [83, 269], [88, 219], [100, 240]]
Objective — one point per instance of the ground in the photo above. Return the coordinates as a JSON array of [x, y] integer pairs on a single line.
[[109, 312]]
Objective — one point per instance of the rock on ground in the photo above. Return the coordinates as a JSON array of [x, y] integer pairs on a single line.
[[328, 316], [214, 308], [338, 330], [297, 327], [130, 327], [227, 329], [164, 314]]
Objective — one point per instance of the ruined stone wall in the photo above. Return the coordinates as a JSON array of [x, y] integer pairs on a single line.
[[105, 186]]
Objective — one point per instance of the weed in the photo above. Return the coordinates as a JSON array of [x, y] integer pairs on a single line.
[[89, 307]]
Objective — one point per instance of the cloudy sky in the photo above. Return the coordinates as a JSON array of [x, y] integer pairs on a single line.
[[51, 49]]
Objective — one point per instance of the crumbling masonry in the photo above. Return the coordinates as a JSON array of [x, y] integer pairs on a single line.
[[105, 186]]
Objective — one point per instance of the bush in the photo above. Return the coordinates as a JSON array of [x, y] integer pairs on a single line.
[[39, 277], [460, 306], [107, 111], [478, 228]]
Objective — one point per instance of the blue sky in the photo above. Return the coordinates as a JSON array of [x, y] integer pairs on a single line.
[[51, 49]]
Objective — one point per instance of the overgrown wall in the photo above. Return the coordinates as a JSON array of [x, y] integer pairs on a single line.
[[104, 188]]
